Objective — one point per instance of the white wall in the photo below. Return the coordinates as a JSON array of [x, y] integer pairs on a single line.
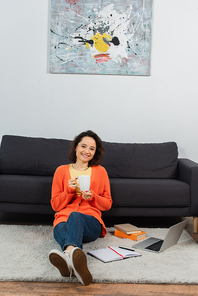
[[161, 107]]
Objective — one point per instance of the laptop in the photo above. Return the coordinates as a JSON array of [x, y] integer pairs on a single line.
[[159, 245]]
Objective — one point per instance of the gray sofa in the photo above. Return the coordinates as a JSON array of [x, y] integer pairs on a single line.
[[146, 179]]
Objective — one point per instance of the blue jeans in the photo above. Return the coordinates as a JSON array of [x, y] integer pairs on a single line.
[[78, 229]]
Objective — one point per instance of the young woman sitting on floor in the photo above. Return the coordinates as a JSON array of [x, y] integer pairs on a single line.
[[78, 213]]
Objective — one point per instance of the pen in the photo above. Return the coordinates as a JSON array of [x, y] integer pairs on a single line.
[[126, 249]]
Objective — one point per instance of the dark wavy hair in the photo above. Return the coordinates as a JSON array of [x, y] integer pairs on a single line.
[[96, 160]]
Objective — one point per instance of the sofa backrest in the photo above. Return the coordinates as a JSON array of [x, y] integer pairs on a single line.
[[40, 157], [154, 161], [32, 156]]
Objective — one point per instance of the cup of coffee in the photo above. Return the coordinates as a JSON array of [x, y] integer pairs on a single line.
[[84, 182]]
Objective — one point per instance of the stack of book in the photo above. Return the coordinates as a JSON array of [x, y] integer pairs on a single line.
[[130, 231]]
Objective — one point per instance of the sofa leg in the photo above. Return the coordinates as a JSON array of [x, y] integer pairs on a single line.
[[195, 222]]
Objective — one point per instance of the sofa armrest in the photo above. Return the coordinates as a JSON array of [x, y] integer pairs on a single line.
[[188, 172]]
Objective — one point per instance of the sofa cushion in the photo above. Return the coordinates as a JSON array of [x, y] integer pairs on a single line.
[[25, 189], [40, 156], [32, 156], [155, 160], [150, 193]]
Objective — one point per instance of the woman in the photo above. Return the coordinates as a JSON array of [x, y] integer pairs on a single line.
[[78, 213]]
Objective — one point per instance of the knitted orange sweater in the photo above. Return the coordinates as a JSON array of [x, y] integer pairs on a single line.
[[64, 199]]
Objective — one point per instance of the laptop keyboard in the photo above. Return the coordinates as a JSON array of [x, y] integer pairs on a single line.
[[156, 246]]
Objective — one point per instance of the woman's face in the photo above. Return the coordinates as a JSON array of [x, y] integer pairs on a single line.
[[85, 150]]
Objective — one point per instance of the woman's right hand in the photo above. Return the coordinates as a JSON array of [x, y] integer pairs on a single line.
[[72, 183]]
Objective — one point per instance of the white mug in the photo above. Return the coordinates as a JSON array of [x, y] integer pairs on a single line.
[[84, 182]]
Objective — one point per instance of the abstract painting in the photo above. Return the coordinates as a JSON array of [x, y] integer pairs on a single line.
[[100, 37]]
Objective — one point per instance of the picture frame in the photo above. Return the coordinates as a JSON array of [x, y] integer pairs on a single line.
[[100, 37]]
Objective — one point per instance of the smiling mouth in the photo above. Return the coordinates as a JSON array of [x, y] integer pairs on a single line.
[[86, 156]]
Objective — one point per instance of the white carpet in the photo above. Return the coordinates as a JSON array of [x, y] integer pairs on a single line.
[[24, 257]]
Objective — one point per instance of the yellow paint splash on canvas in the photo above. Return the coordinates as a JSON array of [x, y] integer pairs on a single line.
[[99, 42]]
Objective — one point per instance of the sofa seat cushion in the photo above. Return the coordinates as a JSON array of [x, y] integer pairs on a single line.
[[142, 161], [32, 156], [25, 189], [150, 193]]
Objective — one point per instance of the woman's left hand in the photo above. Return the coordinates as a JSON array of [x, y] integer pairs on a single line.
[[86, 194]]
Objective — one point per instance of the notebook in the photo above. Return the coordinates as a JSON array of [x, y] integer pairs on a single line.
[[159, 245], [110, 254]]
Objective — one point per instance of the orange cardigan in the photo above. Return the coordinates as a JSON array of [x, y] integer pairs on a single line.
[[64, 199]]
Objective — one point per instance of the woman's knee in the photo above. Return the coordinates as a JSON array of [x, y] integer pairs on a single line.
[[75, 216]]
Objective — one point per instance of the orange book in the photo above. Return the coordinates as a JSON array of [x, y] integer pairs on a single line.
[[134, 236]]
